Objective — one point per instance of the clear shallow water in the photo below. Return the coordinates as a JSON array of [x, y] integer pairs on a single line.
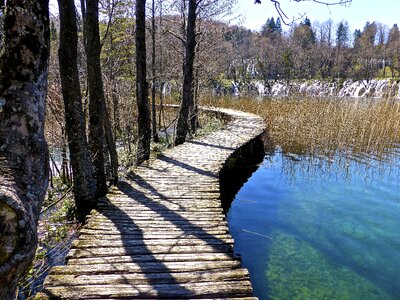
[[313, 229]]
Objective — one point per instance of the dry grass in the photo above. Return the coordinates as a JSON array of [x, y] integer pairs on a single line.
[[326, 126]]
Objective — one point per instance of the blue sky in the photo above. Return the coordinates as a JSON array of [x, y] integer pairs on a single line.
[[357, 13], [253, 16]]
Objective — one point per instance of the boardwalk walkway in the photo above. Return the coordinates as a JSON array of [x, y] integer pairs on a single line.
[[162, 233]]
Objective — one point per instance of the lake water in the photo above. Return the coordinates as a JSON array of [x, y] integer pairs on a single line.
[[319, 229]]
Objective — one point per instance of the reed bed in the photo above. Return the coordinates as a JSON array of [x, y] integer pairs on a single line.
[[322, 126]]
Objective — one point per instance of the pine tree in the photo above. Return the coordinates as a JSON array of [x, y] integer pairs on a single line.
[[278, 26]]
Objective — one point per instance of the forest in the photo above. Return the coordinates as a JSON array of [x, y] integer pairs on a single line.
[[84, 90]]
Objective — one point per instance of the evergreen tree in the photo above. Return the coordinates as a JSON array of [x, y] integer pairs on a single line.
[[342, 34], [271, 25], [306, 22], [278, 26], [356, 35], [393, 50], [265, 28], [304, 34], [271, 28]]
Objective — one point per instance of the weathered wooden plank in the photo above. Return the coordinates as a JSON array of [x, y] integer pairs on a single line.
[[166, 291], [182, 257], [117, 216], [201, 206], [150, 278], [154, 216], [186, 195], [183, 225], [146, 267], [139, 195], [149, 242], [152, 236], [176, 221], [157, 249], [156, 231], [163, 204]]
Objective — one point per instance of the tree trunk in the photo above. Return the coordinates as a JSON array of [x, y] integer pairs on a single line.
[[96, 95], [194, 116], [64, 164], [160, 76], [23, 150], [187, 104], [153, 71], [111, 149], [82, 168], [144, 126]]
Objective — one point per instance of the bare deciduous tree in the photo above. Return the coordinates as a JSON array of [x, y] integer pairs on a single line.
[[187, 104], [96, 94], [144, 127], [83, 178]]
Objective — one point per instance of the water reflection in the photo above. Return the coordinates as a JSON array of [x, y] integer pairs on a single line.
[[314, 228]]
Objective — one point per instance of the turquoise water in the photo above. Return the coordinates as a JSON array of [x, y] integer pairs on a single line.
[[319, 229]]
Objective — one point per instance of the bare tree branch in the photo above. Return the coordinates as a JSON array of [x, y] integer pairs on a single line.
[[111, 13], [176, 36], [286, 20]]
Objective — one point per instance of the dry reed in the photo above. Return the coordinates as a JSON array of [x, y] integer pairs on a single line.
[[326, 126]]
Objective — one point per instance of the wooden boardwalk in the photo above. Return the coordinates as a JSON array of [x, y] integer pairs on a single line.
[[162, 233]]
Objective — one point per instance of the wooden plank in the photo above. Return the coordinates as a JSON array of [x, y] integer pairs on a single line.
[[145, 267], [155, 216], [130, 207], [153, 257], [166, 291], [156, 249], [165, 257], [149, 242], [183, 225], [150, 278], [152, 236], [165, 205], [157, 231]]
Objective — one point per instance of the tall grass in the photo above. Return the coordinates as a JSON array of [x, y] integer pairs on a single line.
[[326, 126]]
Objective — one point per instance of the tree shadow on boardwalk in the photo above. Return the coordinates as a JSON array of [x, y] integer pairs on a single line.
[[172, 216], [151, 259], [156, 272], [188, 167], [211, 145]]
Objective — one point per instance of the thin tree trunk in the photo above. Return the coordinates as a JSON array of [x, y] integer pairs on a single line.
[[144, 126], [160, 79], [64, 165], [114, 97], [187, 104], [84, 186], [23, 150], [153, 74], [111, 149], [96, 95], [83, 12]]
